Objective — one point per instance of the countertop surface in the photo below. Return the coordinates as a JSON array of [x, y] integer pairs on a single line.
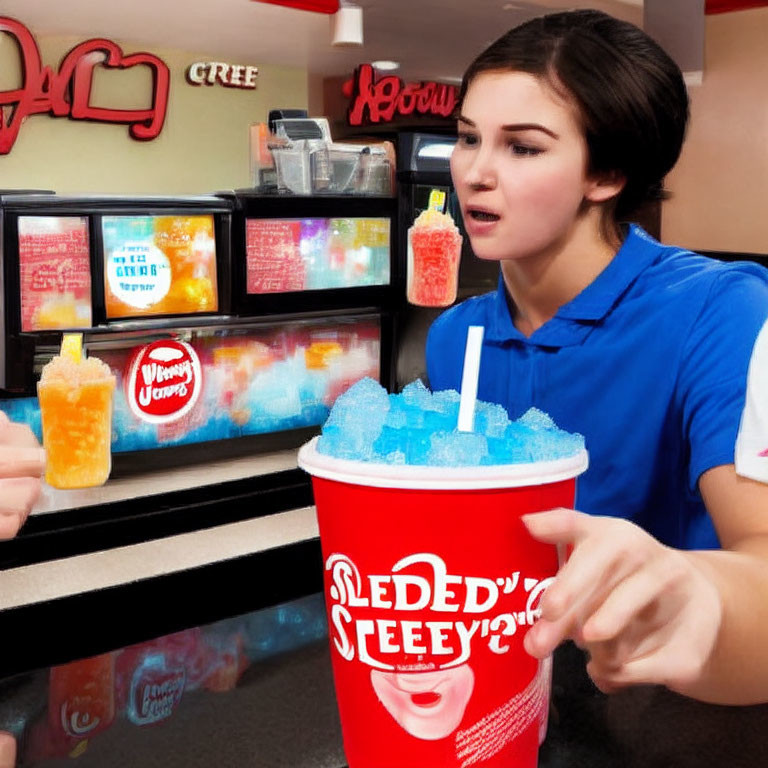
[[282, 712], [151, 484], [158, 557]]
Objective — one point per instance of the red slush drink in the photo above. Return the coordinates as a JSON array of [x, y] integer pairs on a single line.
[[431, 582], [434, 249]]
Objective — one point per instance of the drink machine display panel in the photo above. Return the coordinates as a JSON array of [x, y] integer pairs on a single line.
[[159, 265], [97, 264], [312, 254], [284, 255], [54, 272], [198, 385]]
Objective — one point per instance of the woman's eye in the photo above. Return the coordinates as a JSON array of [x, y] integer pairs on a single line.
[[468, 139], [524, 150]]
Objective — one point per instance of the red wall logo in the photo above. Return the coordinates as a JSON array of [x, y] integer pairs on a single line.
[[380, 101], [67, 93], [164, 381]]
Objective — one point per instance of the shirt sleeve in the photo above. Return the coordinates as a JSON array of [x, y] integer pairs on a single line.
[[752, 441], [713, 371]]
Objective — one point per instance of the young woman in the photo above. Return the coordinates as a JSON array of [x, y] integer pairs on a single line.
[[566, 124]]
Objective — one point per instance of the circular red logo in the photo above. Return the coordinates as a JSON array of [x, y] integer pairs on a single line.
[[164, 381]]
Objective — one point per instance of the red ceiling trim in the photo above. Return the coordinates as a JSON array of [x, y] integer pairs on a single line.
[[317, 6], [724, 6]]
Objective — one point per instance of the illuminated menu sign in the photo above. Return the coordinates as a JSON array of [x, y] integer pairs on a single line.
[[285, 255], [55, 272], [159, 265]]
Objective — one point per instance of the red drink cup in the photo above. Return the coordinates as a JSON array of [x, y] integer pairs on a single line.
[[433, 263], [431, 582]]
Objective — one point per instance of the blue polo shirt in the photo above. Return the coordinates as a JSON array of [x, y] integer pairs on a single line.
[[649, 362]]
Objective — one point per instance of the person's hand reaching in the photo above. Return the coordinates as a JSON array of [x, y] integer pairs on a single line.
[[644, 612], [7, 750], [22, 463]]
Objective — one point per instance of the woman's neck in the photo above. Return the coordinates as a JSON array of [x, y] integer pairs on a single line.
[[540, 284]]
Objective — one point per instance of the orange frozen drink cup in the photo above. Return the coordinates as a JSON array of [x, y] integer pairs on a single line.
[[75, 395]]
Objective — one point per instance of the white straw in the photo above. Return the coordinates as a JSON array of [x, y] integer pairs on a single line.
[[469, 378]]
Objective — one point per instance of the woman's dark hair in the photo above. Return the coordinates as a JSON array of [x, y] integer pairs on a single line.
[[631, 95]]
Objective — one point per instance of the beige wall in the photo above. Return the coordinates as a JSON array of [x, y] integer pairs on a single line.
[[720, 185], [203, 146]]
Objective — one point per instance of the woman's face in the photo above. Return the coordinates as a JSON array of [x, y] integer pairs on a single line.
[[519, 166]]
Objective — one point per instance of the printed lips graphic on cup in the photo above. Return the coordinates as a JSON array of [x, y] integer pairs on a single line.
[[164, 382], [428, 705]]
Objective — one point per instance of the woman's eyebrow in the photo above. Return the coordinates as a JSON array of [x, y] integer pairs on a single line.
[[514, 126], [529, 127]]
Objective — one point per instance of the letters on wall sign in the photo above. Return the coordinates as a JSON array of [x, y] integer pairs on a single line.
[[230, 75], [67, 93], [379, 101]]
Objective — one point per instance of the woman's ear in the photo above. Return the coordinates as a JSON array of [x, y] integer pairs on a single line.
[[603, 186]]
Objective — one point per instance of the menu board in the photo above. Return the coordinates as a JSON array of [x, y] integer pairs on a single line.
[[159, 265], [55, 272], [285, 255]]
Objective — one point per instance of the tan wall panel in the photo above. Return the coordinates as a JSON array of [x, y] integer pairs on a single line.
[[203, 146], [720, 185]]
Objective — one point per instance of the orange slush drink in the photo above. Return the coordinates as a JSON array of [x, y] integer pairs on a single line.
[[434, 249], [76, 407]]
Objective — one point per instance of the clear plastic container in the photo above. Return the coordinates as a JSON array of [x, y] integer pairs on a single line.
[[293, 170], [345, 167]]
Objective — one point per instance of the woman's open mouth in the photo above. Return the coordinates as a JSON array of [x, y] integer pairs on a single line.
[[426, 699], [479, 215]]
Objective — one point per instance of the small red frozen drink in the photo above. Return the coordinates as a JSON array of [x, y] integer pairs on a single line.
[[434, 250], [431, 582]]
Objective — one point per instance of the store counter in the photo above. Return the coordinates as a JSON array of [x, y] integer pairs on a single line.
[[249, 591]]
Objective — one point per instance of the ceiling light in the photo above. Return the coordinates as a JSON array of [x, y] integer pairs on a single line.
[[384, 65], [347, 25]]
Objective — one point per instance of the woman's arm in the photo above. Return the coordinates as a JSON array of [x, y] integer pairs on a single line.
[[696, 622]]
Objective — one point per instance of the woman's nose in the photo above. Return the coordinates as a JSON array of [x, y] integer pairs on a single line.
[[480, 173]]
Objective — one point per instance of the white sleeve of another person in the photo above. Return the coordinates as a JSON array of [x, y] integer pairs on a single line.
[[752, 441]]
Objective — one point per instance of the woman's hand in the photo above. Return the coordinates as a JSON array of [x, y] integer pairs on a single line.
[[7, 750], [22, 463], [645, 613]]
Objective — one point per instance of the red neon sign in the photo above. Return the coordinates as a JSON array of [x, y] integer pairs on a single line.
[[67, 93], [725, 6], [318, 6], [380, 101]]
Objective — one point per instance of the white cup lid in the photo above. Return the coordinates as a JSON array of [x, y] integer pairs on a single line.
[[439, 478]]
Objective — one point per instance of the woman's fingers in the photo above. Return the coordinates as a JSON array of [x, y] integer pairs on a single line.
[[17, 435], [557, 526], [631, 598], [17, 497], [605, 552], [21, 461], [7, 750]]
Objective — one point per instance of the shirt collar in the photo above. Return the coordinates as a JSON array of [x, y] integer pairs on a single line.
[[637, 252]]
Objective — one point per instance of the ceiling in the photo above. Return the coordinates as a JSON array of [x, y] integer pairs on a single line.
[[433, 39]]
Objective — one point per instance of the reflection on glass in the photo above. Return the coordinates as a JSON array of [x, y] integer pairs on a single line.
[[60, 712]]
